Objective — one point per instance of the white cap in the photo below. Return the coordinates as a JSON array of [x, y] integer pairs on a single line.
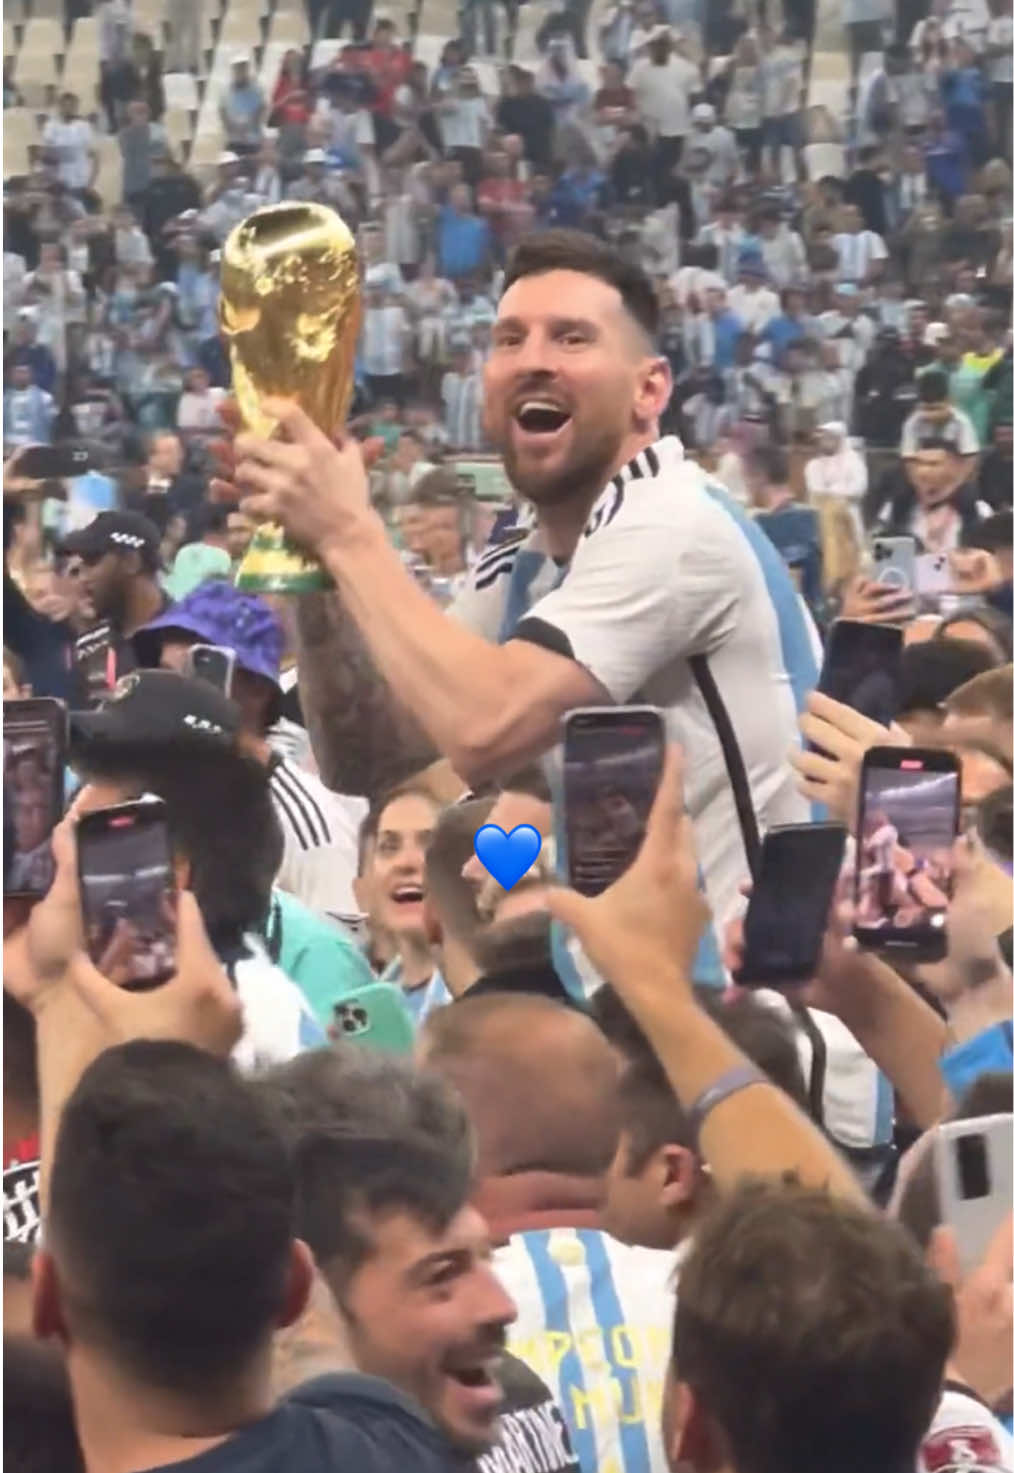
[[315, 156], [935, 334], [703, 112], [658, 33], [241, 58], [227, 158]]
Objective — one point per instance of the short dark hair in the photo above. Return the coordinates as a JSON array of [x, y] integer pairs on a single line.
[[39, 1435], [651, 1114], [989, 694], [575, 250], [170, 1218], [211, 516], [933, 671], [367, 1133], [932, 386], [770, 462], [452, 844], [812, 1331], [221, 819]]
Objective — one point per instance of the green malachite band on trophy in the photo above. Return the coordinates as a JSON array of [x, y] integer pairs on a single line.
[[270, 565]]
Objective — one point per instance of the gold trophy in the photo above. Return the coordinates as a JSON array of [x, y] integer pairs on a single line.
[[290, 312]]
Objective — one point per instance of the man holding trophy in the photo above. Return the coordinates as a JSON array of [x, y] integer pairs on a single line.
[[637, 563]]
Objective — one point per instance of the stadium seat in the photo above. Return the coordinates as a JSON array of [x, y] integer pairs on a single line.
[[34, 74], [181, 91], [289, 26], [44, 34]]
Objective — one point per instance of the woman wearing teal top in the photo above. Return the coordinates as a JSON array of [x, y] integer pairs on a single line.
[[316, 954]]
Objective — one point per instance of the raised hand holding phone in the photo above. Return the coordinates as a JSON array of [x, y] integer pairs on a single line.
[[656, 904]]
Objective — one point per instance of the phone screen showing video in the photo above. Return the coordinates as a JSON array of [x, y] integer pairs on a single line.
[[862, 668], [612, 762], [905, 869], [127, 894], [34, 750]]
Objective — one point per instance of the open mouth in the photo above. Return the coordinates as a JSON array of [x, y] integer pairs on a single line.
[[407, 895], [541, 416], [477, 1375]]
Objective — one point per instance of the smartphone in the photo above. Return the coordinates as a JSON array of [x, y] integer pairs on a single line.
[[933, 575], [909, 807], [375, 1016], [894, 563], [95, 660], [213, 663], [128, 894], [862, 668], [35, 756], [790, 902], [52, 462], [612, 763], [975, 1182]]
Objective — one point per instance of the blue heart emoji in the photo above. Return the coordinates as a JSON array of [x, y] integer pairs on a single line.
[[507, 856]]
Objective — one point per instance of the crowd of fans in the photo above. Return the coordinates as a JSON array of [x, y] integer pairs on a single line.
[[661, 354]]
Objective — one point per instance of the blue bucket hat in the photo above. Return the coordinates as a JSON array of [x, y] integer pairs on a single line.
[[217, 613]]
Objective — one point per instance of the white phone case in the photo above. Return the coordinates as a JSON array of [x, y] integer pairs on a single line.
[[975, 1219]]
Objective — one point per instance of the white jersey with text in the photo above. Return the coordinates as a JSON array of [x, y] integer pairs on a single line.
[[669, 575], [595, 1322]]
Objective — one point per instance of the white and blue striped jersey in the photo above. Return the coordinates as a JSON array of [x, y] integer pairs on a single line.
[[278, 1022], [668, 569], [595, 1322]]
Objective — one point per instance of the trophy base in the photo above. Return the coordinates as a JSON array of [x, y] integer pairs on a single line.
[[271, 565]]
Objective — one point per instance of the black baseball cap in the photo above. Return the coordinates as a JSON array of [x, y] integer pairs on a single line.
[[157, 708], [116, 531]]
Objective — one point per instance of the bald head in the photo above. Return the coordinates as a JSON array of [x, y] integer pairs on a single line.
[[538, 1080]]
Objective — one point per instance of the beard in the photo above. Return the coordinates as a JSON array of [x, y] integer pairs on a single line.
[[583, 474]]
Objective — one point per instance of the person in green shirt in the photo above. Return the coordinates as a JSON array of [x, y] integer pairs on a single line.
[[316, 954]]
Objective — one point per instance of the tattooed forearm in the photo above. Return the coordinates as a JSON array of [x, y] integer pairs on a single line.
[[363, 738]]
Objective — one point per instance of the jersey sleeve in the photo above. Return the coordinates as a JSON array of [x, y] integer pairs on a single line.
[[653, 579]]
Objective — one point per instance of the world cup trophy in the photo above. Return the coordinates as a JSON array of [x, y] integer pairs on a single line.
[[290, 312]]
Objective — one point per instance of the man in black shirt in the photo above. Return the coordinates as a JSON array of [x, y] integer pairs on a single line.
[[169, 1262], [530, 115], [119, 553]]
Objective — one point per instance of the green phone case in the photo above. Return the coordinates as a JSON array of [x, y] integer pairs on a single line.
[[374, 1016]]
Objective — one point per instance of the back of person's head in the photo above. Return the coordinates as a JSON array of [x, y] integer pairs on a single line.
[[39, 1435], [994, 534], [809, 1334], [169, 1252], [367, 1134], [769, 464], [931, 672], [917, 1200], [538, 1080], [932, 386], [984, 626], [450, 899], [654, 1189], [980, 712], [221, 820]]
